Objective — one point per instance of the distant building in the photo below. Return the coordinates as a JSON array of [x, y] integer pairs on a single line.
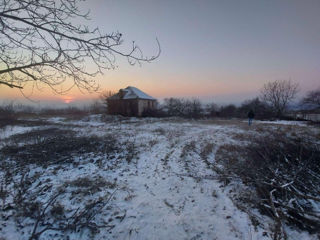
[[130, 102], [313, 115], [309, 115]]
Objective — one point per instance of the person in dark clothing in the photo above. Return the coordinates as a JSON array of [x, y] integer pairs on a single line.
[[250, 116]]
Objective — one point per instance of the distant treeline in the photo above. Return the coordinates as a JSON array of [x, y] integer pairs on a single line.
[[194, 108], [171, 107], [11, 111]]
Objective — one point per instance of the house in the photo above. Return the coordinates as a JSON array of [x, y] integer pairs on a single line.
[[309, 115], [130, 102]]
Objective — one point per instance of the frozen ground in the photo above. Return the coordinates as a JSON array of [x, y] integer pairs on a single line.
[[154, 182]]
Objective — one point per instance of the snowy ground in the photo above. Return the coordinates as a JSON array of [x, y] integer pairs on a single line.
[[155, 185]]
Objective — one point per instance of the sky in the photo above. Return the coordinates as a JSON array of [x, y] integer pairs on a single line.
[[220, 51]]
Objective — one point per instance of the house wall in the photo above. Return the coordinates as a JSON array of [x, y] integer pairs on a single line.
[[315, 117], [123, 107], [144, 105], [130, 107]]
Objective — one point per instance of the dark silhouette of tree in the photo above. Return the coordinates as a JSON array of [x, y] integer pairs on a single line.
[[260, 109], [104, 96], [40, 43], [211, 109], [228, 111], [174, 106], [312, 98], [193, 108], [188, 108], [279, 94]]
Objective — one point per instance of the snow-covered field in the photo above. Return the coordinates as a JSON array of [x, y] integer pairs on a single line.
[[133, 179]]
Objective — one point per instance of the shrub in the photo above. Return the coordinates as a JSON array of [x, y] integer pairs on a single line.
[[153, 113], [7, 115], [228, 111]]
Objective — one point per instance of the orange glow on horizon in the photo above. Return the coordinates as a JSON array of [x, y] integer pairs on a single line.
[[173, 87], [68, 99], [157, 86]]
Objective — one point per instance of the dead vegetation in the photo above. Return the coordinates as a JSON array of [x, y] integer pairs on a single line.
[[131, 151], [33, 199], [188, 149], [37, 136], [56, 147], [41, 207], [283, 173], [84, 186], [206, 150], [52, 216]]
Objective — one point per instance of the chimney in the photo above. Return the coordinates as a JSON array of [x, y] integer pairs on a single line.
[[122, 92]]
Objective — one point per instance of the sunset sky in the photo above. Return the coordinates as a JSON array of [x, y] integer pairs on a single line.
[[222, 51]]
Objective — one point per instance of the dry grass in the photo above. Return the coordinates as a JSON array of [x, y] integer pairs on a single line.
[[223, 122], [87, 186], [160, 131], [188, 148], [206, 150]]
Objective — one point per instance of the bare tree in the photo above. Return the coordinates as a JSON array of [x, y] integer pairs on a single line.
[[189, 108], [193, 108], [312, 98], [104, 97], [211, 109], [279, 94], [174, 106], [40, 43]]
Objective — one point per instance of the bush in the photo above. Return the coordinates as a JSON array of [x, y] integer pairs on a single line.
[[7, 114], [228, 111], [153, 113]]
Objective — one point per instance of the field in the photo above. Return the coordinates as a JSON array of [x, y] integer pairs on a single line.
[[102, 177]]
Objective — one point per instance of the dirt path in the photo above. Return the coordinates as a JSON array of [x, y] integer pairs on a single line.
[[168, 204]]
